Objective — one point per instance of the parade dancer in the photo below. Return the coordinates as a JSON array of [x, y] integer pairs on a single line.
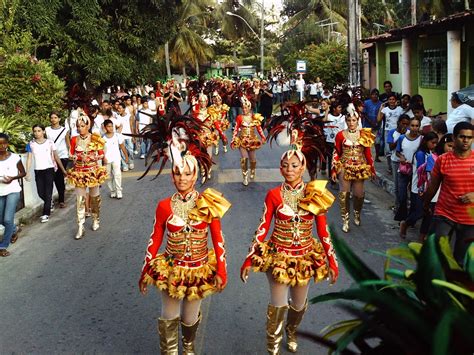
[[218, 112], [352, 165], [245, 138], [87, 151], [209, 127], [186, 272], [292, 256]]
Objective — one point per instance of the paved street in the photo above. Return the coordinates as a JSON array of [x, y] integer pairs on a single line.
[[66, 296]]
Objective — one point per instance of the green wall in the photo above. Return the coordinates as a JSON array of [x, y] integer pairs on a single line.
[[396, 79], [434, 99]]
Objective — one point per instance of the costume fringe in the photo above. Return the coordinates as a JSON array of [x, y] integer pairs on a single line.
[[87, 178], [247, 143], [183, 281], [291, 270]]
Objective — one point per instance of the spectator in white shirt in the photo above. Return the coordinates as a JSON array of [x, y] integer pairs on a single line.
[[461, 113], [60, 137], [127, 127], [145, 117], [114, 144], [389, 113]]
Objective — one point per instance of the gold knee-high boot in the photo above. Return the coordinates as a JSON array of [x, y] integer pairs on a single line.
[[245, 172], [275, 319], [168, 330], [95, 211], [81, 215], [292, 322], [253, 166], [189, 335], [358, 203], [344, 202]]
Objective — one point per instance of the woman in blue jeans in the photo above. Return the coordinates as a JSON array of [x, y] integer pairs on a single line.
[[11, 171], [407, 145]]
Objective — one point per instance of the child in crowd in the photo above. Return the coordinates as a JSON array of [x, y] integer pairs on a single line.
[[427, 145], [407, 145], [445, 145], [113, 144], [392, 138], [46, 161], [388, 114], [425, 122]]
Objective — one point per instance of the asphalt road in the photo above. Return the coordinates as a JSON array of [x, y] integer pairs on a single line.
[[59, 295]]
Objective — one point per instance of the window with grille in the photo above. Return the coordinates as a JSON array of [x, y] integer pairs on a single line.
[[433, 68]]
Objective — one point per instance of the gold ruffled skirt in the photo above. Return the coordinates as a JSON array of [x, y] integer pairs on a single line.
[[208, 138], [357, 172], [192, 283], [225, 124], [248, 143], [87, 177], [288, 269]]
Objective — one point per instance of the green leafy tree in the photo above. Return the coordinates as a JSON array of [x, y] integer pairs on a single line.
[[326, 60], [99, 41]]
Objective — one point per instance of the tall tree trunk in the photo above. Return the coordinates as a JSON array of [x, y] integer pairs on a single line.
[[197, 68], [184, 71], [167, 58]]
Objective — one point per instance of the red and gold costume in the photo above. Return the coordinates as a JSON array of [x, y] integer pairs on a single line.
[[245, 132], [352, 154], [208, 135], [291, 254], [219, 113], [87, 153], [187, 268]]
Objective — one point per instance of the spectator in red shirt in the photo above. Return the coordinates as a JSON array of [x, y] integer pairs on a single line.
[[454, 171]]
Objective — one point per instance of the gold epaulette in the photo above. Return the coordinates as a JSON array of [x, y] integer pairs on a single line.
[[258, 118], [97, 142], [317, 199], [367, 138], [210, 204]]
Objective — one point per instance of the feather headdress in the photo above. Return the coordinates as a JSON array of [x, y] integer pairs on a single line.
[[306, 140], [175, 138]]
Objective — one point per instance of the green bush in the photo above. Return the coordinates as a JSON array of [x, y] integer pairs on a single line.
[[29, 91]]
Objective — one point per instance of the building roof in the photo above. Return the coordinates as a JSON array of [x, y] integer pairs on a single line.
[[452, 22]]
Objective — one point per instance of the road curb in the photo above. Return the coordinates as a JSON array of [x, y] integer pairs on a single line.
[[385, 183]]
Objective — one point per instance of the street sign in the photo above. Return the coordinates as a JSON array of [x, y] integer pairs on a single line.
[[301, 66]]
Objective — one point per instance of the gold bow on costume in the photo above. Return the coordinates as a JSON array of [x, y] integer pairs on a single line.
[[97, 142], [257, 118], [210, 204], [317, 199], [367, 138]]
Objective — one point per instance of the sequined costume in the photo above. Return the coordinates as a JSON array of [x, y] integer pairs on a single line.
[[245, 135], [291, 254], [211, 128], [86, 153], [187, 268], [352, 154], [219, 113]]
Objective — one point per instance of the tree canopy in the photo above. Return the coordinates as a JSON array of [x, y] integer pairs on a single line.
[[99, 41]]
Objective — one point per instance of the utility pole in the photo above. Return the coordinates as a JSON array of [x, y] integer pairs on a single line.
[[353, 38]]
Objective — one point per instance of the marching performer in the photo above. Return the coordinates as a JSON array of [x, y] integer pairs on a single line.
[[292, 256], [87, 152], [218, 112], [186, 272], [245, 139], [352, 165], [210, 126]]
